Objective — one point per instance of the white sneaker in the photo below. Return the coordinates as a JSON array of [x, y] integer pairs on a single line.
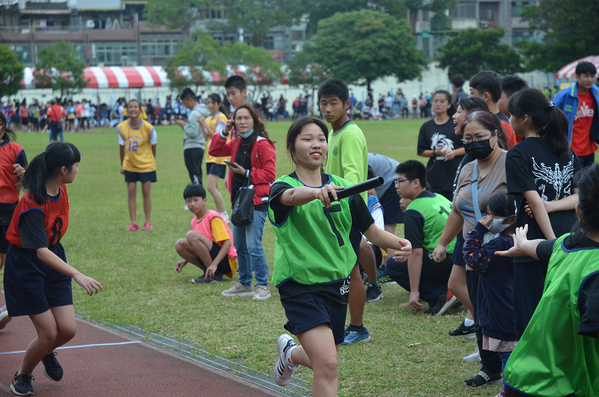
[[448, 305], [472, 358], [4, 319], [239, 289], [283, 369], [261, 293]]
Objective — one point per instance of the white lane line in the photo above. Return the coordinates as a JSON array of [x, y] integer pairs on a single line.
[[79, 346]]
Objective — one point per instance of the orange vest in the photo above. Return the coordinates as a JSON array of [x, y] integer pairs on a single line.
[[9, 152]]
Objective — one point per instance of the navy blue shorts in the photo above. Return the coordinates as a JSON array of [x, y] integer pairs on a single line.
[[140, 176], [224, 267], [458, 251], [216, 169], [390, 203], [308, 311], [3, 241], [31, 286]]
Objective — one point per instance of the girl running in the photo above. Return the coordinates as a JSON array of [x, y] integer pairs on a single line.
[[215, 168], [137, 142], [314, 256], [37, 277]]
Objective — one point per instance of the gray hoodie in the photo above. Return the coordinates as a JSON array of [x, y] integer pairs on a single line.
[[194, 137]]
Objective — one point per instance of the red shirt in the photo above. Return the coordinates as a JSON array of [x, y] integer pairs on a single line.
[[9, 153], [56, 113], [56, 217], [509, 133], [582, 144]]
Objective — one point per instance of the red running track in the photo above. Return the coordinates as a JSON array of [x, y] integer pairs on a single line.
[[127, 368]]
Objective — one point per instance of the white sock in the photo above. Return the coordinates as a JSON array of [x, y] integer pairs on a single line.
[[288, 359], [468, 322]]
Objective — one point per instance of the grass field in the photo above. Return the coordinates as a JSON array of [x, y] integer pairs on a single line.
[[409, 355]]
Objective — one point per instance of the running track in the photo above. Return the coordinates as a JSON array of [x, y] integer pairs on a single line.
[[100, 361]]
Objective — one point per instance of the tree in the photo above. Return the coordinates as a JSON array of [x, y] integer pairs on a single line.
[[259, 16], [59, 67], [571, 30], [304, 73], [361, 47], [11, 72], [202, 54], [174, 14], [473, 50], [438, 7]]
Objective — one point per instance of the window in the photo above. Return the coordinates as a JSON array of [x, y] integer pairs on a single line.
[[487, 11], [518, 7], [269, 43], [110, 54], [464, 10], [522, 35], [298, 35]]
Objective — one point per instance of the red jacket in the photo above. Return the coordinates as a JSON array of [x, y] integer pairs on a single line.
[[264, 166]]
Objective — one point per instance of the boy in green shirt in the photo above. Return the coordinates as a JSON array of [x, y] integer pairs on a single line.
[[348, 158]]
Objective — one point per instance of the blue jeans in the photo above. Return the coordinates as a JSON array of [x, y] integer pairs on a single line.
[[504, 356], [250, 254]]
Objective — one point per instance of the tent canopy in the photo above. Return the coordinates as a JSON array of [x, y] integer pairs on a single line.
[[567, 72], [135, 76]]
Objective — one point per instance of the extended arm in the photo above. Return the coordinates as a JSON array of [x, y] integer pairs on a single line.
[[455, 223], [385, 239]]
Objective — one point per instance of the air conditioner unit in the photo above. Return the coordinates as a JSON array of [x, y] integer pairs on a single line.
[[124, 60], [483, 24]]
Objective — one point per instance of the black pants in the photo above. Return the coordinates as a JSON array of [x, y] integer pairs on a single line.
[[491, 362], [193, 162], [529, 281], [585, 161]]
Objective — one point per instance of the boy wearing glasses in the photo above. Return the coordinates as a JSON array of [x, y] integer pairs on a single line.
[[424, 221]]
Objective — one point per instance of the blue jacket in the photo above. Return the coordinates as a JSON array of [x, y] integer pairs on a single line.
[[567, 101]]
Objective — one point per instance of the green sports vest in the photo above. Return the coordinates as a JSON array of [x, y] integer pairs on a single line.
[[312, 245], [551, 358], [435, 211]]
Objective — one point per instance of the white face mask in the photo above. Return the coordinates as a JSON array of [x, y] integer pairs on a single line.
[[497, 225]]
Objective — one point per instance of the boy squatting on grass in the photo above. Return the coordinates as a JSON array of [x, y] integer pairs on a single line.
[[315, 253], [209, 243]]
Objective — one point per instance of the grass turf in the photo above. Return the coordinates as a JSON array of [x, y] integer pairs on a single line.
[[409, 355]]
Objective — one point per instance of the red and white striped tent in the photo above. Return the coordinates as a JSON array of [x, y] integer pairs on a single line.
[[134, 76], [567, 72]]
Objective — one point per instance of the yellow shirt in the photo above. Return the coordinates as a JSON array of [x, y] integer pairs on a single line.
[[138, 146], [213, 123]]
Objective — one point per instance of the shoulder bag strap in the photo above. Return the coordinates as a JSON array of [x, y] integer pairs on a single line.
[[474, 182]]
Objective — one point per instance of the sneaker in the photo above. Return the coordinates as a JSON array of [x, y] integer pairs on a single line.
[[133, 227], [261, 293], [21, 385], [482, 379], [283, 369], [52, 368], [199, 280], [373, 293], [352, 336], [384, 278], [239, 289], [464, 331], [216, 278], [439, 303], [4, 319], [148, 226], [472, 358], [448, 305]]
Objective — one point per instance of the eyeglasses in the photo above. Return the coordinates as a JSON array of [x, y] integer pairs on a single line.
[[399, 181], [240, 119], [476, 139]]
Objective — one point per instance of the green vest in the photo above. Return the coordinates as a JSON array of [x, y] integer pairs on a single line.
[[551, 358], [312, 245], [435, 211]]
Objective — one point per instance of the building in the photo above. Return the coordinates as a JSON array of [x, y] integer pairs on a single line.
[[432, 32]]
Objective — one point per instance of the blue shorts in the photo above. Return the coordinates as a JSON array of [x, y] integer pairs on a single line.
[[31, 286], [390, 203], [458, 254], [216, 169], [307, 311], [3, 241], [140, 176]]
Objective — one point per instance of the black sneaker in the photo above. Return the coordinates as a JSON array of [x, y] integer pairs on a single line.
[[217, 278], [438, 305], [52, 368], [21, 385], [199, 280], [464, 331], [373, 293], [482, 379]]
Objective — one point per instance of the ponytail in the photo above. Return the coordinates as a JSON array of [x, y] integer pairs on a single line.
[[46, 166], [550, 123], [588, 199], [216, 99]]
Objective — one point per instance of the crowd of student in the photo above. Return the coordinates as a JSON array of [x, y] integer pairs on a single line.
[[492, 181]]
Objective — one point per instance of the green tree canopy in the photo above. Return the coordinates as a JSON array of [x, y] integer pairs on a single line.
[[361, 47], [304, 73], [572, 32], [11, 72], [59, 67], [202, 54], [473, 50], [174, 14]]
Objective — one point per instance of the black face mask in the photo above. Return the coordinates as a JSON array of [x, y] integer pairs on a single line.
[[479, 150]]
